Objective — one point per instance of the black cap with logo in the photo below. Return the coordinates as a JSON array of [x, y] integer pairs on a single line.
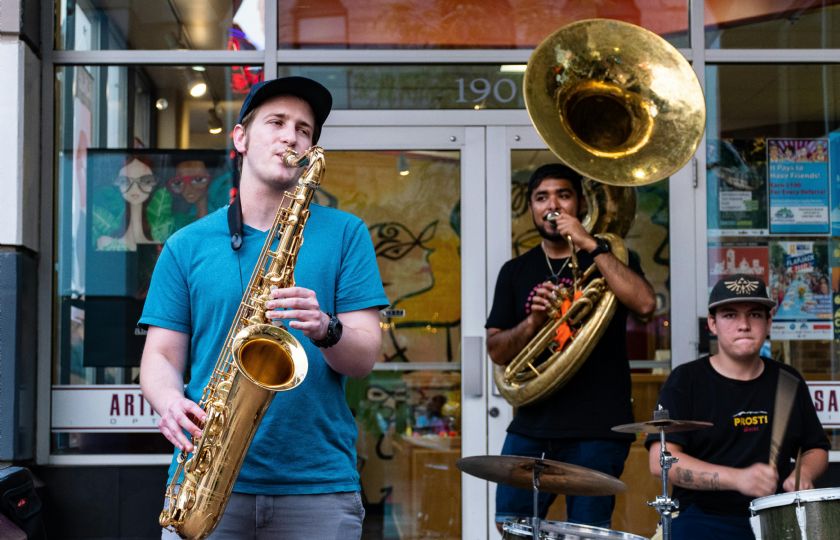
[[740, 288]]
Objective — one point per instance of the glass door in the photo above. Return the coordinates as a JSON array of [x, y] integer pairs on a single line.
[[513, 152], [420, 191]]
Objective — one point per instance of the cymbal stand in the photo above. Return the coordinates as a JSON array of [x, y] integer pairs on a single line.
[[664, 504], [535, 483]]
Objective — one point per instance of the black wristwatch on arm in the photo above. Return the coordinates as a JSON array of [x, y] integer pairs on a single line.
[[334, 329], [601, 246]]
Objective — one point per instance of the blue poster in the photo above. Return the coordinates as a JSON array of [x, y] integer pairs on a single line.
[[834, 165], [798, 179]]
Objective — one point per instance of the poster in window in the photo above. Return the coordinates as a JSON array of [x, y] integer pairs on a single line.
[[834, 261], [834, 168], [798, 178], [727, 259], [799, 283], [736, 173], [137, 199]]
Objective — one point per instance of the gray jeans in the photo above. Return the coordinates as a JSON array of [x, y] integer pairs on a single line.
[[289, 517]]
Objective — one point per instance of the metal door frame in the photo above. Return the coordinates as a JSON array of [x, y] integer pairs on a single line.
[[471, 143]]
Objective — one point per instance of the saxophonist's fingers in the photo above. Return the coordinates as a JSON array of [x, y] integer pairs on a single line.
[[182, 415]]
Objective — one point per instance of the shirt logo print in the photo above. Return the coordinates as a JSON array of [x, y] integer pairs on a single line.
[[747, 421]]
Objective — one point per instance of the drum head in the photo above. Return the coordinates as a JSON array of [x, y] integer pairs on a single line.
[[794, 497], [560, 530]]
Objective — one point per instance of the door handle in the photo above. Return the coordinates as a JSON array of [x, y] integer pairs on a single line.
[[472, 366]]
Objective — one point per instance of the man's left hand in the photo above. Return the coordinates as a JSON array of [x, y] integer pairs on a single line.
[[299, 306]]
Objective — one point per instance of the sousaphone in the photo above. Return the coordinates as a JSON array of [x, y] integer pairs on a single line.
[[622, 107]]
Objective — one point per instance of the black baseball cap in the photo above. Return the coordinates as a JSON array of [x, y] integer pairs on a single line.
[[312, 92], [740, 288]]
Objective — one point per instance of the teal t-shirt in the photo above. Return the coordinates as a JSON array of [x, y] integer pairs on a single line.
[[305, 444]]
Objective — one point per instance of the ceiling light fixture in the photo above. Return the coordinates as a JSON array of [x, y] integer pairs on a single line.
[[402, 166], [214, 123]]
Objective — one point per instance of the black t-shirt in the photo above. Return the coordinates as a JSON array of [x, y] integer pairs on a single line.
[[597, 397], [742, 414]]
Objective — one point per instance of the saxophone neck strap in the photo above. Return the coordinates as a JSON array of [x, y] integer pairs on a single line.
[[234, 219]]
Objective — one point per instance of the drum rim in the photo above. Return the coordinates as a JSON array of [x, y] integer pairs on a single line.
[[784, 499], [611, 534]]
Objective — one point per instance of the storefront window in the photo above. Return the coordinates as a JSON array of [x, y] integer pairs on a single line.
[[773, 190], [142, 152], [89, 25], [790, 24], [460, 24]]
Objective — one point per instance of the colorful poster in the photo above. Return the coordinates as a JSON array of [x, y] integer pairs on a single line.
[[136, 199], [799, 284], [728, 259], [834, 261], [834, 167], [798, 178], [736, 180]]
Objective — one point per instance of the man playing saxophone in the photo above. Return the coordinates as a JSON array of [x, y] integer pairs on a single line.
[[571, 425], [299, 478]]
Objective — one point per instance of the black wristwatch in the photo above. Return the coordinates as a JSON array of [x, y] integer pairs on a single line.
[[601, 246], [334, 329]]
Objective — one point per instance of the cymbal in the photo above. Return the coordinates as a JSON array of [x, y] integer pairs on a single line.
[[667, 425], [554, 477]]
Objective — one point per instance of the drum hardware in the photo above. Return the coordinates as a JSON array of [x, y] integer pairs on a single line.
[[662, 424]]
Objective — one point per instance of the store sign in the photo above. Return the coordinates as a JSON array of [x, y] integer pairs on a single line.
[[826, 398], [101, 408]]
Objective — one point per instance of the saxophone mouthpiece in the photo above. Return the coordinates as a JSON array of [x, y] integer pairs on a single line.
[[292, 159]]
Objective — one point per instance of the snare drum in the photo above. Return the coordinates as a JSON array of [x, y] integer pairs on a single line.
[[812, 514], [559, 530]]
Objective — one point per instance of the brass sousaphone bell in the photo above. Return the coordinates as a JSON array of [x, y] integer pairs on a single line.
[[622, 107]]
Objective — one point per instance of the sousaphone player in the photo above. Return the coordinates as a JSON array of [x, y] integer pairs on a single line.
[[572, 425], [591, 91]]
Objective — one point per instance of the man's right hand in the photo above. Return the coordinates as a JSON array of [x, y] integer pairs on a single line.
[[182, 415], [539, 302], [757, 480]]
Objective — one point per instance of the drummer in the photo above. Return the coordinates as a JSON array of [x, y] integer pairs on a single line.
[[722, 468]]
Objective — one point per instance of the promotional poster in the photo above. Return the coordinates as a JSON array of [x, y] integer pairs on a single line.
[[799, 284], [798, 178]]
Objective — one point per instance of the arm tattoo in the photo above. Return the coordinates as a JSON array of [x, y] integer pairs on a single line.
[[704, 480]]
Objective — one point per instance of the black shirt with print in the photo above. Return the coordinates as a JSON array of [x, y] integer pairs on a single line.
[[742, 414], [597, 397]]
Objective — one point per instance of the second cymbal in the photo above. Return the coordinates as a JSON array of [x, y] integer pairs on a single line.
[[667, 425], [554, 477]]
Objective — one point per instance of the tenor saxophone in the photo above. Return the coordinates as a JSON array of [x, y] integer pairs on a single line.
[[257, 360]]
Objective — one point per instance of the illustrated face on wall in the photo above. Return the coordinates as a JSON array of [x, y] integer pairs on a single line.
[[403, 259], [136, 182], [191, 181]]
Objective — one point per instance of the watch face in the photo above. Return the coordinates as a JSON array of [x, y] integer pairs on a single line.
[[334, 329]]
